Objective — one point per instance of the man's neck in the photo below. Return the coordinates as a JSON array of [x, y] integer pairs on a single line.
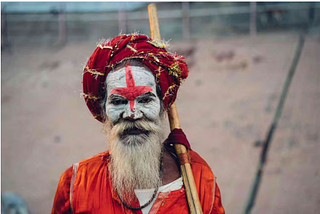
[[170, 168]]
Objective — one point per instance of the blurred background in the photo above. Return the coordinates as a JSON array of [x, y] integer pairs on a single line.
[[239, 56]]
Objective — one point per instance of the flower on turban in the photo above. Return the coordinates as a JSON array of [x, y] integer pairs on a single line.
[[169, 69]]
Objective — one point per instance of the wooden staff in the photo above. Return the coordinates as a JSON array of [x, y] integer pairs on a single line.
[[181, 150]]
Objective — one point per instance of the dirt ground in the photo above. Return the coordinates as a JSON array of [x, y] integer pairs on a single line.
[[225, 106]]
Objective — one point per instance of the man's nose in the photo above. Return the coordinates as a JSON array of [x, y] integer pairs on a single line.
[[132, 113]]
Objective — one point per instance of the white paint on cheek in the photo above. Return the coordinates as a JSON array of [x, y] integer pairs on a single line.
[[113, 113]]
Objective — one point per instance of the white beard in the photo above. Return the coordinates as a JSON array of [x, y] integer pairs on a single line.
[[135, 159]]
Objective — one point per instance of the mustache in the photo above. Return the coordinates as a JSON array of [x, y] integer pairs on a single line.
[[144, 125]]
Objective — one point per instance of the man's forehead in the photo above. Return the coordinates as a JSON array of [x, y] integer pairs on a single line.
[[141, 76]]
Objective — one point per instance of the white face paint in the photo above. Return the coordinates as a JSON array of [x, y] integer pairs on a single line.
[[131, 94], [135, 144]]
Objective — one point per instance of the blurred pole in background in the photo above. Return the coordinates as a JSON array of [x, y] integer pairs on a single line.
[[253, 18], [311, 13], [273, 126], [62, 25], [4, 30], [122, 19], [186, 20]]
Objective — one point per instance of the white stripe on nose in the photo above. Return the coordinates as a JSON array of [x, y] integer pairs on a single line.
[[133, 114]]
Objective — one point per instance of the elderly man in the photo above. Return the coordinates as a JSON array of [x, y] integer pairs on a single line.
[[129, 82]]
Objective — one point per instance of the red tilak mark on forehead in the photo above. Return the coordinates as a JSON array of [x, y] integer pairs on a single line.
[[131, 92]]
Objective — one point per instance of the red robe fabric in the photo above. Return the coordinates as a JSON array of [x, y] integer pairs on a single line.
[[93, 193]]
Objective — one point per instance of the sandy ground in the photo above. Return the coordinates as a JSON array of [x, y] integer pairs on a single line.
[[226, 106]]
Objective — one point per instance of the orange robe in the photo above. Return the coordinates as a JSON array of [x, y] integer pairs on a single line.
[[93, 193]]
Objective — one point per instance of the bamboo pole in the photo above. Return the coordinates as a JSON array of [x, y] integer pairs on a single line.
[[187, 175]]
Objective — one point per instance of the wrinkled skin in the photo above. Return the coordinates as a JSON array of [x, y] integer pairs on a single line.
[[143, 103], [131, 94]]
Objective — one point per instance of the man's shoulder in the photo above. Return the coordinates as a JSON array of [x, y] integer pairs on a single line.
[[101, 158], [199, 163], [88, 163], [196, 158]]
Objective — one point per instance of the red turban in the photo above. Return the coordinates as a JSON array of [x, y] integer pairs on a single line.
[[169, 69]]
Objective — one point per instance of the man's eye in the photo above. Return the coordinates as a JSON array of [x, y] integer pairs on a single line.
[[118, 102], [145, 100]]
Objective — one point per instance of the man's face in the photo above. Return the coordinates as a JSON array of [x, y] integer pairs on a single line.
[[134, 129], [131, 95]]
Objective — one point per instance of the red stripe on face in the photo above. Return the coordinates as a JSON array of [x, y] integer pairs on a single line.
[[131, 92]]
